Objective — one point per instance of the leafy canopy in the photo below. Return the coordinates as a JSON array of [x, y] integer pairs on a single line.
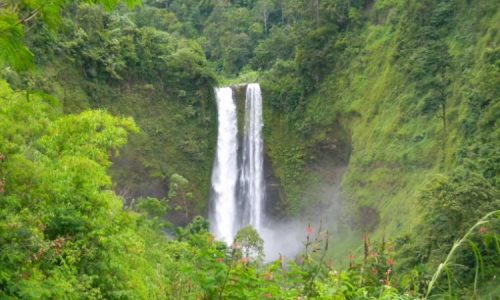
[[17, 16]]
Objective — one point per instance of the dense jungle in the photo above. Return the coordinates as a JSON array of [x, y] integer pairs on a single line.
[[380, 148]]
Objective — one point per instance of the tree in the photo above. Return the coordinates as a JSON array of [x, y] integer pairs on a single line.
[[280, 44], [59, 217], [153, 207], [249, 244], [178, 193], [263, 8]]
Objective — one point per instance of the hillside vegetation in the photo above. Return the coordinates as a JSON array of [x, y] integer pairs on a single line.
[[381, 121]]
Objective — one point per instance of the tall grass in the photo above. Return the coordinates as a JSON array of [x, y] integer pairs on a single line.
[[444, 265]]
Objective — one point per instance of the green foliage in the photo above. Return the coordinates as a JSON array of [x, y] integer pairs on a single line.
[[249, 244], [105, 60], [151, 206], [198, 225], [282, 87], [450, 207], [314, 56], [392, 84], [278, 46], [116, 48], [56, 199], [65, 234], [65, 136], [15, 14], [451, 204], [179, 195], [13, 53], [456, 245], [406, 88], [404, 94]]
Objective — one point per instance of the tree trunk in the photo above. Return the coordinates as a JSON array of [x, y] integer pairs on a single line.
[[317, 13], [282, 12], [265, 20], [445, 130]]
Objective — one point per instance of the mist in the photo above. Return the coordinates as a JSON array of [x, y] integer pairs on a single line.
[[288, 237]]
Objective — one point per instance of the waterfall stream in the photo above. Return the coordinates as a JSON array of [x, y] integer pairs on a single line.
[[225, 171], [251, 181], [238, 189]]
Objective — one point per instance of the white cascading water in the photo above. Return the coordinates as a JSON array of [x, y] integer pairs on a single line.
[[238, 192], [251, 183], [225, 171]]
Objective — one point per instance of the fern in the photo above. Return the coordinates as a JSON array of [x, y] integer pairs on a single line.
[[13, 52]]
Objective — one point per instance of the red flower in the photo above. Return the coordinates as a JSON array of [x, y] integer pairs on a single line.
[[219, 259], [268, 296], [390, 261], [309, 230], [245, 260], [268, 276], [483, 230]]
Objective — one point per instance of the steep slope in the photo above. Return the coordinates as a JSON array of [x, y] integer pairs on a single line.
[[410, 93]]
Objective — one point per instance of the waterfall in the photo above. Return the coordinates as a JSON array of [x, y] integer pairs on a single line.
[[251, 183], [238, 189], [225, 171]]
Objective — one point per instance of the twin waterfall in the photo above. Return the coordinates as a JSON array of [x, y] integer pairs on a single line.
[[238, 174]]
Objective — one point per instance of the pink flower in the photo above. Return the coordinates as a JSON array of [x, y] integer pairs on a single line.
[[390, 261]]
